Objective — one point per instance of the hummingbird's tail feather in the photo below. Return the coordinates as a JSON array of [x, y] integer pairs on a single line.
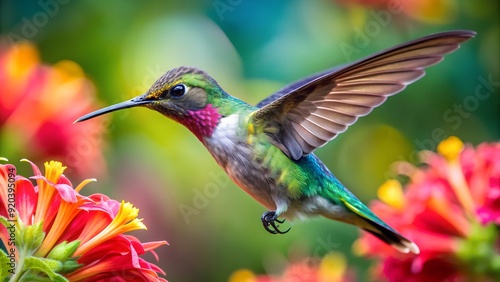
[[371, 223], [391, 237]]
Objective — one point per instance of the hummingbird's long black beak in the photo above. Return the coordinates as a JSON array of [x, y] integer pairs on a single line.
[[137, 101]]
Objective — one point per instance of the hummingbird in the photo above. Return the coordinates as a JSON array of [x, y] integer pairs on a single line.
[[268, 149]]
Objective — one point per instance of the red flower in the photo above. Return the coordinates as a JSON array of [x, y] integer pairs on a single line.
[[450, 209], [38, 106], [62, 234], [332, 268]]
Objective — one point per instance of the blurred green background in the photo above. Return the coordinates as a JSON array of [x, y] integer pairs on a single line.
[[253, 48]]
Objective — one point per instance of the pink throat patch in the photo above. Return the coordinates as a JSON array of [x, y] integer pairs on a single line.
[[202, 122]]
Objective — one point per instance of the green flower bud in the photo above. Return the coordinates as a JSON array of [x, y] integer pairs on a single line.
[[31, 236], [70, 266], [64, 250]]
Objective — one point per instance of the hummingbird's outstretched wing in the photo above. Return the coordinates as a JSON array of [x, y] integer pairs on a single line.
[[294, 86], [307, 114]]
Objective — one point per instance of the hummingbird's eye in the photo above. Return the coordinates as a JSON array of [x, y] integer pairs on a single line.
[[178, 91]]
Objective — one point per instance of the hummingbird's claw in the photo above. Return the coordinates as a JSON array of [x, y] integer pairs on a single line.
[[269, 219], [280, 221]]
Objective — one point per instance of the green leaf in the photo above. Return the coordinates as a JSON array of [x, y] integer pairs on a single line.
[[30, 277], [47, 266], [35, 277], [3, 221], [4, 264], [478, 251]]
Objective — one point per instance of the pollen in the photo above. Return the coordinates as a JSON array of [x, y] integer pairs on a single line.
[[391, 193], [332, 267], [450, 148]]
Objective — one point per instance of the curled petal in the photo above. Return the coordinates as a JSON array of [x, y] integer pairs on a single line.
[[100, 202], [83, 183], [35, 168], [66, 192]]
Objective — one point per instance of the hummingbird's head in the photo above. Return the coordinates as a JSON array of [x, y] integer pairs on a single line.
[[185, 94]]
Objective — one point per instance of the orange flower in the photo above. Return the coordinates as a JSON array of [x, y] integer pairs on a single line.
[[451, 209], [64, 235], [38, 106]]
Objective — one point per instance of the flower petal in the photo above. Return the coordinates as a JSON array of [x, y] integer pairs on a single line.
[[26, 199]]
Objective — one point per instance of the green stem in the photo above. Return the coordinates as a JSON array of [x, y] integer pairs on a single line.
[[19, 271]]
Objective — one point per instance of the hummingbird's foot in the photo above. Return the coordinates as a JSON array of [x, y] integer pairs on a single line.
[[269, 219]]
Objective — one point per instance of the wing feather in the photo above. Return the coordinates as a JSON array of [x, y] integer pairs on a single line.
[[307, 139], [321, 127], [314, 110], [357, 99], [383, 77], [331, 117]]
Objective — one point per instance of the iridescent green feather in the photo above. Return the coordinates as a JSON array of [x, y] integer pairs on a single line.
[[287, 173]]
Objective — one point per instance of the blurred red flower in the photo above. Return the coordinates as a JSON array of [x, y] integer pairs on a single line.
[[66, 236], [332, 268], [38, 106], [450, 209]]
